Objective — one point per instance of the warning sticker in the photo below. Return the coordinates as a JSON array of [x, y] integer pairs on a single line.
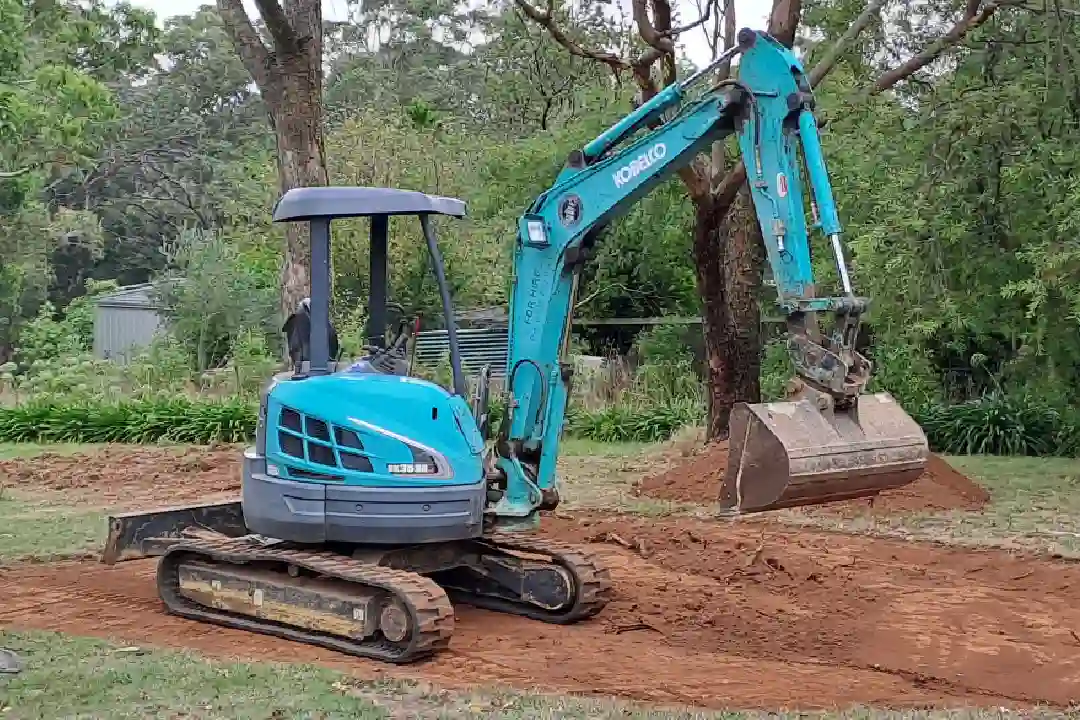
[[781, 184]]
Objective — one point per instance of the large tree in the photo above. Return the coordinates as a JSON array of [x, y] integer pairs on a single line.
[[728, 246], [286, 64]]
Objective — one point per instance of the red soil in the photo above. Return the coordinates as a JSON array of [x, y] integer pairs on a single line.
[[718, 614], [941, 487]]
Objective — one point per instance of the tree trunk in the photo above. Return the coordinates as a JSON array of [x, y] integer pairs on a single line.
[[729, 256], [295, 104]]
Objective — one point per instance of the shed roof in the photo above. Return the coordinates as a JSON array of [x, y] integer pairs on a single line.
[[132, 296], [333, 202]]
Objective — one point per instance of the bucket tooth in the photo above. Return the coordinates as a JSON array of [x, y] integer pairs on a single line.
[[786, 454]]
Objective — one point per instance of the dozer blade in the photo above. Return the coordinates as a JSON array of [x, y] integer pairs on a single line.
[[786, 454]]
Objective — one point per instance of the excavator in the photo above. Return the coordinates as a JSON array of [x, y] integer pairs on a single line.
[[372, 501]]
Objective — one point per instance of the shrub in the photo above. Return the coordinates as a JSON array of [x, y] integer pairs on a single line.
[[179, 420], [622, 423], [905, 372], [776, 370], [999, 424]]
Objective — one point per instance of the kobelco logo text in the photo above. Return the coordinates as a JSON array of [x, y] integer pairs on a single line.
[[642, 162]]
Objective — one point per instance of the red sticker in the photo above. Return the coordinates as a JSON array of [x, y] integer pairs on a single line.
[[781, 185]]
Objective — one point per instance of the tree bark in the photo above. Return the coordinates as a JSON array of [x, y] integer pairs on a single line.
[[294, 100], [729, 258], [289, 77]]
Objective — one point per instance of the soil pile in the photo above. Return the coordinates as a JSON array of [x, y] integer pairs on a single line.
[[941, 487], [130, 477]]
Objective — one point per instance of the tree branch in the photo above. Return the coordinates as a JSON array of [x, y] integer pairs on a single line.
[[935, 49], [825, 65], [973, 17], [717, 156], [546, 19], [676, 32], [249, 46], [278, 24], [648, 32], [14, 173], [784, 20]]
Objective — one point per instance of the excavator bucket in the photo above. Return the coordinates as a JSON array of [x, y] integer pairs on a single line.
[[785, 454]]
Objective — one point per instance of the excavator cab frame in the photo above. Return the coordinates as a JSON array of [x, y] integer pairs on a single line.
[[319, 207]]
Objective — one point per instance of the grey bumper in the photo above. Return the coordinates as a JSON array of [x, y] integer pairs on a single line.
[[309, 512]]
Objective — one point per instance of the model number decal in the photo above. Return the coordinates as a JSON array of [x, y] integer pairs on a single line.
[[410, 468], [639, 164]]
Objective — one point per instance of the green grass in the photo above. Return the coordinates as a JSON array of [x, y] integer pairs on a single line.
[[41, 528], [32, 530], [1035, 505], [66, 677], [13, 451]]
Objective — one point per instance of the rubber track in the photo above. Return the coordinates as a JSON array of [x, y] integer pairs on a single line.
[[591, 580], [431, 614]]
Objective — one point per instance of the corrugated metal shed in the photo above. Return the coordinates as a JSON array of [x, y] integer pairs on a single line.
[[124, 322], [479, 346]]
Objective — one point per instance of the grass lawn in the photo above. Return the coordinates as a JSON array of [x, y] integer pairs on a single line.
[[1035, 505], [37, 528], [12, 451], [67, 677]]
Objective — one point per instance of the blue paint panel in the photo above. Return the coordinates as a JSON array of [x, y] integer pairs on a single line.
[[769, 147], [387, 413]]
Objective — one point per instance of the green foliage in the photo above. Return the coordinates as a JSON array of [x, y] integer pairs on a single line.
[[776, 370], [211, 296], [625, 423], [176, 420], [664, 344], [46, 337], [163, 368], [648, 403], [904, 371], [999, 424]]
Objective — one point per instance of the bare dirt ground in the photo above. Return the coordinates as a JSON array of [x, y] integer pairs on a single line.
[[713, 614], [127, 478]]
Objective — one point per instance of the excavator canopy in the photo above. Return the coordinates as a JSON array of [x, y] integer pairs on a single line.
[[786, 454]]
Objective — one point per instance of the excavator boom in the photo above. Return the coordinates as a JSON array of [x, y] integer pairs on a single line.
[[829, 441]]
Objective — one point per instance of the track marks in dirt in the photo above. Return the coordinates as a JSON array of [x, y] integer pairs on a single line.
[[706, 614], [983, 623], [119, 602]]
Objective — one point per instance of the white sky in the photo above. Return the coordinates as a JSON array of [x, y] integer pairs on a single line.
[[752, 13]]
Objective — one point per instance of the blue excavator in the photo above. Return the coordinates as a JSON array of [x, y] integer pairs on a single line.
[[372, 501]]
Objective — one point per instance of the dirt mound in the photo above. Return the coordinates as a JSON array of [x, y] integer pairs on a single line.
[[126, 477], [696, 479], [794, 619], [941, 487]]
